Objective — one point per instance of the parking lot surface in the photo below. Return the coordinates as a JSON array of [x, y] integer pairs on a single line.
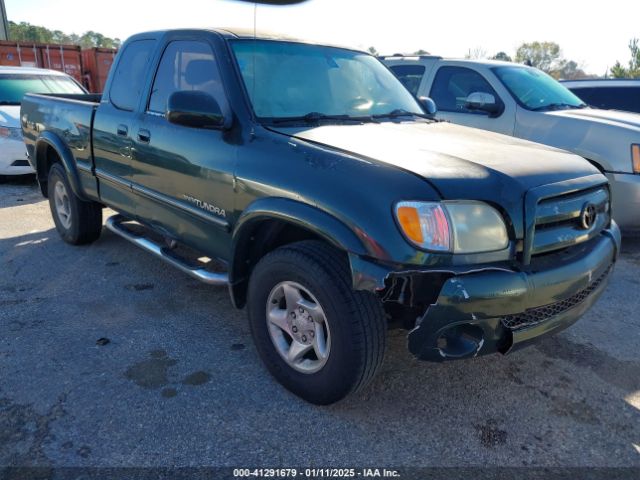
[[109, 357]]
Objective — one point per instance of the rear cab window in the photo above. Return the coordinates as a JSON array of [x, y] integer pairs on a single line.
[[409, 75], [129, 76]]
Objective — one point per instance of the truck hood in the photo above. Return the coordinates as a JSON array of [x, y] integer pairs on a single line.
[[601, 136], [608, 117], [460, 162], [10, 116]]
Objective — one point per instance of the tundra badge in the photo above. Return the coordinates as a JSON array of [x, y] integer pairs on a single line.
[[205, 206]]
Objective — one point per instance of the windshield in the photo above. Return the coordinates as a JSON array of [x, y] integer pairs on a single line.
[[292, 80], [14, 87], [535, 90]]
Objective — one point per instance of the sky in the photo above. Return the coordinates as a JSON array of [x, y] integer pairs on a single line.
[[593, 33]]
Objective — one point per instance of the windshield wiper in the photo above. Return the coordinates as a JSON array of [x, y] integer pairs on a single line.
[[316, 117], [399, 112], [559, 106]]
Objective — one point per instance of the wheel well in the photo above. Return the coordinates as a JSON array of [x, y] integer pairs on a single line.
[[46, 156], [264, 237]]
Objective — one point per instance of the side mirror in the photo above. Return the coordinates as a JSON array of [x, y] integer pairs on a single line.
[[192, 108], [428, 105], [483, 102]]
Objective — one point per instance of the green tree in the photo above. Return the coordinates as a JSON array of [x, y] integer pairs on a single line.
[[25, 32], [502, 56], [543, 55], [569, 70], [633, 71], [618, 71], [634, 63], [421, 52]]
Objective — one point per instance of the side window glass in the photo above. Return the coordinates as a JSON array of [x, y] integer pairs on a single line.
[[617, 98], [128, 81], [409, 75], [452, 86], [186, 65]]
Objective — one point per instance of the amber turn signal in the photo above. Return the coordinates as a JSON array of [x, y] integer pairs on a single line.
[[635, 157], [410, 222]]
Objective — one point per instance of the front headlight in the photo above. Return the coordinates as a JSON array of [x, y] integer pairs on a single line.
[[457, 227], [11, 133]]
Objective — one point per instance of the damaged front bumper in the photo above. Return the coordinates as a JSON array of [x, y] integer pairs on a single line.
[[491, 310], [499, 311]]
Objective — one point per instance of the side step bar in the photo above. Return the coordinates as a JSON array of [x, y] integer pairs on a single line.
[[115, 224]]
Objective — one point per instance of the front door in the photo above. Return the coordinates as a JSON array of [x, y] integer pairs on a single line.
[[450, 88], [183, 176]]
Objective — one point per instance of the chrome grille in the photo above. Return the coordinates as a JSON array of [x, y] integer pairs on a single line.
[[559, 220], [537, 315]]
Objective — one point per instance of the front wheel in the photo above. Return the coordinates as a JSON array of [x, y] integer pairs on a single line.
[[317, 336], [77, 222]]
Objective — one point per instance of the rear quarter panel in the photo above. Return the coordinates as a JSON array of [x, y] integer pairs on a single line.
[[64, 124]]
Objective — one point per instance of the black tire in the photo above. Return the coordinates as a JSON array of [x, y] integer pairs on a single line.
[[355, 318], [84, 221]]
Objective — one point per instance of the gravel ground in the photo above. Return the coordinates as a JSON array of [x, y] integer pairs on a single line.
[[180, 384]]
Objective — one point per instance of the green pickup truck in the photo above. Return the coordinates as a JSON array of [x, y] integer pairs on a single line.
[[312, 184]]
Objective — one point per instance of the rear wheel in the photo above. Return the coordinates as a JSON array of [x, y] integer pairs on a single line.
[[317, 336], [77, 222]]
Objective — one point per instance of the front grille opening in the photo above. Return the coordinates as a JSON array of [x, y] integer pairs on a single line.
[[533, 316], [571, 222], [559, 222]]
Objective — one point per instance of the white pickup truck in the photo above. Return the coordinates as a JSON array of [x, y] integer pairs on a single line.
[[524, 102]]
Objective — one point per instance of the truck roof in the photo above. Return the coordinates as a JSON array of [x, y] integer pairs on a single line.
[[4, 70], [602, 82], [434, 58], [244, 33]]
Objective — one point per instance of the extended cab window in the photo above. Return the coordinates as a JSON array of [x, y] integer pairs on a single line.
[[186, 65], [128, 80], [409, 75], [452, 86]]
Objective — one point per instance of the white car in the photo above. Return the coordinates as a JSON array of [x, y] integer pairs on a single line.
[[524, 102], [14, 83]]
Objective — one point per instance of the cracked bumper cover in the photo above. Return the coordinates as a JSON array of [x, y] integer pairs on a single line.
[[474, 313]]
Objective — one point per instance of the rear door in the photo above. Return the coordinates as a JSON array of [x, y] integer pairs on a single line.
[[115, 123], [183, 176]]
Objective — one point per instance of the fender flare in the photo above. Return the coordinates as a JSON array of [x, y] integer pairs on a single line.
[[292, 212], [52, 140]]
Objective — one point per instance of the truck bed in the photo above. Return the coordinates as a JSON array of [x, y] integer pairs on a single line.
[[64, 119], [81, 97]]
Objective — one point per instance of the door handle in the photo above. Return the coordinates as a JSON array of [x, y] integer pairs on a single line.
[[122, 131], [144, 135]]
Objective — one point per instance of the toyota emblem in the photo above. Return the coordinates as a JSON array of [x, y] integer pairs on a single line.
[[588, 216]]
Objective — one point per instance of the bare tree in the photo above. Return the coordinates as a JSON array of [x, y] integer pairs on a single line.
[[476, 53]]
